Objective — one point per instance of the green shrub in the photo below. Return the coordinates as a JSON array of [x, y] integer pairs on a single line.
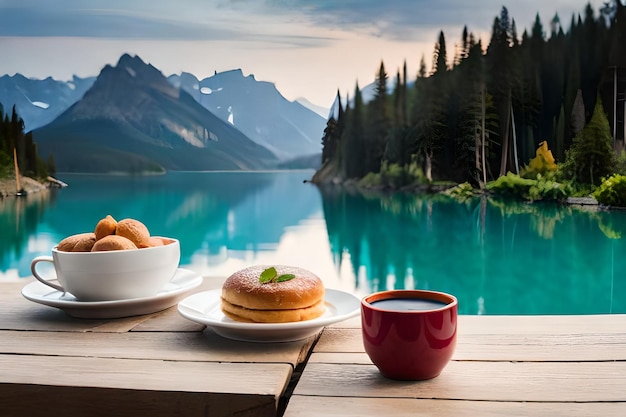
[[544, 187], [371, 180], [394, 176], [612, 191], [462, 191], [511, 184], [547, 189]]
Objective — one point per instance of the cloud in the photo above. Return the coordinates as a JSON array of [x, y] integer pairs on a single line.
[[283, 22], [242, 20], [102, 23], [408, 19]]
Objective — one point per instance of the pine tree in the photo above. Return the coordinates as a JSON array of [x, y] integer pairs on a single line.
[[500, 68], [472, 130], [328, 140], [397, 150], [51, 165], [13, 138], [528, 98], [590, 57], [440, 56], [352, 139], [430, 110], [332, 133], [577, 119], [572, 89], [378, 123], [591, 156]]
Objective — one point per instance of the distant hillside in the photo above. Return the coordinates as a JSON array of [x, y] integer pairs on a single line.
[[287, 128], [322, 111], [39, 102], [303, 162], [132, 120]]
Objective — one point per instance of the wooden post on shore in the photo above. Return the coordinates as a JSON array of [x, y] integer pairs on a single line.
[[17, 173]]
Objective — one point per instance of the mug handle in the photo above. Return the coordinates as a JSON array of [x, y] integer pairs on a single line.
[[33, 269]]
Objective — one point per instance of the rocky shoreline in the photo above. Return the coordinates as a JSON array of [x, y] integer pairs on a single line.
[[29, 185]]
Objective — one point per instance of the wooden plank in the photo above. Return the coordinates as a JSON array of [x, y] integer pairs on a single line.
[[480, 381], [196, 346], [79, 384], [312, 406], [352, 323], [338, 358], [18, 313], [524, 325], [504, 347], [45, 401], [543, 325], [9, 289], [218, 377], [362, 358], [26, 315], [168, 321]]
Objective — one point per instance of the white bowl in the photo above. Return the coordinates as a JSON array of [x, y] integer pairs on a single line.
[[112, 275]]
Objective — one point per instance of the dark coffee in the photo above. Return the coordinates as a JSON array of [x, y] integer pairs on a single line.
[[408, 304]]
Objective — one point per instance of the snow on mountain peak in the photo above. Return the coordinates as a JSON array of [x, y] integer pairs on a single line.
[[40, 104]]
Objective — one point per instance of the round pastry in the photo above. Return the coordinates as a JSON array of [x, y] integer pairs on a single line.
[[113, 242], [135, 231], [105, 227], [273, 294], [155, 241], [81, 242]]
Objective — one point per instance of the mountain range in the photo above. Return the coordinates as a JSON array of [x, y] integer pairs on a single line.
[[273, 127], [131, 118], [39, 102]]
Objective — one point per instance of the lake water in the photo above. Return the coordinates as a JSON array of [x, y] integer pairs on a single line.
[[497, 258]]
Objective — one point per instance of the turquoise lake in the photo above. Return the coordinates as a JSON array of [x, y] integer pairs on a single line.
[[496, 257]]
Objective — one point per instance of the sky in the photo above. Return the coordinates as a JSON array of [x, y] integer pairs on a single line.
[[307, 48]]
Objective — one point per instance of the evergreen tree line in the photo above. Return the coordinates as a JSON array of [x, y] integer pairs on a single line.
[[484, 114], [14, 142]]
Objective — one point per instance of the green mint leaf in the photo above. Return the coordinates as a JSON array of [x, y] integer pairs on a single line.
[[268, 275], [285, 277]]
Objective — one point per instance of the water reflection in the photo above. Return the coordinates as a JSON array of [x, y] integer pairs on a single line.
[[498, 256], [213, 214]]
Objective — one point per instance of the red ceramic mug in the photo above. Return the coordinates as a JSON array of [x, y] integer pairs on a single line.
[[409, 334]]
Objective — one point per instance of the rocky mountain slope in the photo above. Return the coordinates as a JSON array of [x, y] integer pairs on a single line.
[[133, 120]]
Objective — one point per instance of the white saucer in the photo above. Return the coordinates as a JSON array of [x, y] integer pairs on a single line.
[[182, 282], [204, 308]]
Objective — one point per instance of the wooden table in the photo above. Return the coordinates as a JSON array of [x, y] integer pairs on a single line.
[[154, 365], [163, 365], [503, 366]]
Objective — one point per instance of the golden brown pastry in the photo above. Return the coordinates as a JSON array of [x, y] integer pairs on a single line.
[[155, 241], [105, 227], [113, 242], [276, 294], [135, 231], [81, 242]]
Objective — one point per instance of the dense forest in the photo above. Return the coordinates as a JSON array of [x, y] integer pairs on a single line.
[[17, 145], [483, 113]]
